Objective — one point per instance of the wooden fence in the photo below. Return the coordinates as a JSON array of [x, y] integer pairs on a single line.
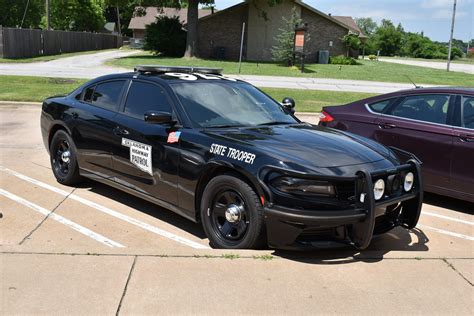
[[24, 43]]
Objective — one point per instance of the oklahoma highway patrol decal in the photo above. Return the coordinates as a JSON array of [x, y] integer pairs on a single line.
[[140, 154]]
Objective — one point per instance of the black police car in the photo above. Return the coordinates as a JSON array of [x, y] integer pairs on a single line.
[[220, 151]]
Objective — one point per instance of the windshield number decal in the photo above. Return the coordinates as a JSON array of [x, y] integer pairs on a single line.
[[140, 154], [194, 76], [232, 153]]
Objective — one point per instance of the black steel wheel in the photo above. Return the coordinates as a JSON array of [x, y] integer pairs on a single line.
[[231, 214], [63, 159]]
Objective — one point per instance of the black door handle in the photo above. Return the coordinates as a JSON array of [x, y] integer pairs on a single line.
[[74, 115], [120, 131], [387, 125], [466, 137]]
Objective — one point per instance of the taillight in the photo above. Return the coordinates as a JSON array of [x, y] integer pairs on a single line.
[[325, 117]]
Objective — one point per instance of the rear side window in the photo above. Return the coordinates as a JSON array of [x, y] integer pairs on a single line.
[[468, 112], [143, 97], [106, 95], [428, 108], [379, 107]]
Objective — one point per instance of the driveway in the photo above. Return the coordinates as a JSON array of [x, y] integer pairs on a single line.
[[92, 65], [467, 68]]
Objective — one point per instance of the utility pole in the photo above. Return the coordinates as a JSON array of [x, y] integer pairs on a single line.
[[119, 27], [451, 38], [48, 14]]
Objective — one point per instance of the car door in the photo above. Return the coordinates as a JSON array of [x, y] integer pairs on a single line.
[[146, 155], [380, 129], [93, 117], [462, 169], [418, 124]]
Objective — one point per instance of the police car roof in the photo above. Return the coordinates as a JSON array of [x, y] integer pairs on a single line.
[[158, 69]]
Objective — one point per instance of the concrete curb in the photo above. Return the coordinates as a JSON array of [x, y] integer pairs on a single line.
[[19, 103]]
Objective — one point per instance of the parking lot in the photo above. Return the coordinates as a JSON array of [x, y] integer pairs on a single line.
[[94, 249]]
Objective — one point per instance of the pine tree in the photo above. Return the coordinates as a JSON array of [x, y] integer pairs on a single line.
[[283, 51]]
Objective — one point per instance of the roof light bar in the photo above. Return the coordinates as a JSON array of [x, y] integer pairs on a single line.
[[163, 69]]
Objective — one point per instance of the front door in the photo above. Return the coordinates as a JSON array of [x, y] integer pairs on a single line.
[[146, 155]]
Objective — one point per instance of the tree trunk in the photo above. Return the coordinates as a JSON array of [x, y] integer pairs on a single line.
[[119, 27], [192, 35]]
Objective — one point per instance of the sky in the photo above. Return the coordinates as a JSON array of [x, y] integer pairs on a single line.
[[433, 17]]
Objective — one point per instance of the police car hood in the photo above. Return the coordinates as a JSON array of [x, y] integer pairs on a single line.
[[309, 145]]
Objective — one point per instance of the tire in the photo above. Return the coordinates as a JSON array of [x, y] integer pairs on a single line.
[[64, 166], [231, 214]]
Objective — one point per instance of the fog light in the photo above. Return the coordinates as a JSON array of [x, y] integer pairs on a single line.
[[408, 183], [379, 189]]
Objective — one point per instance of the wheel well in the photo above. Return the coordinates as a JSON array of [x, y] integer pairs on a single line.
[[53, 131], [209, 174]]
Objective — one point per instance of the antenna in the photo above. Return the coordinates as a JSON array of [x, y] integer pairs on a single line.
[[416, 86]]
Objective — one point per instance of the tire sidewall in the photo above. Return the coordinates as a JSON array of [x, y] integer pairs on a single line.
[[253, 207], [72, 175]]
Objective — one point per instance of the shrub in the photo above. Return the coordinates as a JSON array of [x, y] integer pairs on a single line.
[[372, 57], [343, 60], [166, 37]]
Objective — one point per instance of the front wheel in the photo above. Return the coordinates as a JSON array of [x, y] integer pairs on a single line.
[[231, 214], [63, 159]]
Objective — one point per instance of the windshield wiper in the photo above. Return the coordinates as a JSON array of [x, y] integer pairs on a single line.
[[275, 123], [223, 126]]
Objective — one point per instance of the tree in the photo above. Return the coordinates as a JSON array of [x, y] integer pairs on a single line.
[[14, 10], [283, 51], [367, 25], [352, 42], [388, 38], [166, 37], [78, 15]]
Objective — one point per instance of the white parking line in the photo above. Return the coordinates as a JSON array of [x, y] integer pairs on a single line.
[[448, 218], [445, 232], [109, 211], [85, 231]]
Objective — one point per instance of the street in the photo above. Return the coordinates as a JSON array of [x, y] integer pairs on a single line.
[[93, 249]]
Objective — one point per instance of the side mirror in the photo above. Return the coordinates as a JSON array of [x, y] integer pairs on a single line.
[[158, 117], [289, 105]]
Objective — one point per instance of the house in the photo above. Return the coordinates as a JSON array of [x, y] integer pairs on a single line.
[[145, 16], [219, 34]]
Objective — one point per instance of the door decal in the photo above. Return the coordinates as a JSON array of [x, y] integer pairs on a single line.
[[140, 155]]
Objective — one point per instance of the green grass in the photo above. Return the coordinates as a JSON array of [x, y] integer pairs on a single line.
[[369, 70], [19, 88], [48, 58]]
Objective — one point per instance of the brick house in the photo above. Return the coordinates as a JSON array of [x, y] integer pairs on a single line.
[[221, 31], [148, 15]]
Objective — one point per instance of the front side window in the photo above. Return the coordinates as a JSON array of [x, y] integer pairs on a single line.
[[428, 108], [143, 97], [88, 94], [468, 112], [107, 95], [217, 104]]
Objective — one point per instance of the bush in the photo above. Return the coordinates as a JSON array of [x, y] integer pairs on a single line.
[[343, 60], [166, 37], [372, 57]]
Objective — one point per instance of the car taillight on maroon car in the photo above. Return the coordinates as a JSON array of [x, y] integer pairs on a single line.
[[325, 117]]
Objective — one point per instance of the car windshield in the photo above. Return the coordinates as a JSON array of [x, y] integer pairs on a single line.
[[228, 104]]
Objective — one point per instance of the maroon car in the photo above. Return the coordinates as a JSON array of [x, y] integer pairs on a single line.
[[436, 124]]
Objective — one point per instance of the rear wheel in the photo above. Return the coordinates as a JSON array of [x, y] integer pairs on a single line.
[[231, 214], [63, 159]]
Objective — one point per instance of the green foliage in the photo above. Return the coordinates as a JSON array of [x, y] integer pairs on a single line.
[[283, 51], [166, 37], [367, 25], [372, 57], [343, 60], [12, 13], [388, 38], [352, 42], [77, 15]]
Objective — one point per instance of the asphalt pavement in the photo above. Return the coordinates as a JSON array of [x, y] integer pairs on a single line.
[[457, 67], [93, 249], [90, 66]]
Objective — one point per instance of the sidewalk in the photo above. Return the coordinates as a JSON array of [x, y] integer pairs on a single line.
[[92, 65], [467, 68]]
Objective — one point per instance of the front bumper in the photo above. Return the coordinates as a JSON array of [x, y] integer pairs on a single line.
[[290, 228]]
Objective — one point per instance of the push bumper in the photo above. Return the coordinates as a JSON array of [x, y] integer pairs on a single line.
[[288, 227]]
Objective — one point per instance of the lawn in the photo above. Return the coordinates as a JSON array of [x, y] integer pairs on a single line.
[[369, 70], [48, 58], [18, 88]]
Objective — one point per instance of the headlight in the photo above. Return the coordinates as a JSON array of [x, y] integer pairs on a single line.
[[303, 186], [379, 189], [408, 183]]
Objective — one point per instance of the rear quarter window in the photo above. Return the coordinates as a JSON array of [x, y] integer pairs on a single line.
[[380, 106]]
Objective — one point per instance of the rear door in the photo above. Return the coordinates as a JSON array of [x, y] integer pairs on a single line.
[[145, 156], [93, 116], [463, 148], [418, 124]]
